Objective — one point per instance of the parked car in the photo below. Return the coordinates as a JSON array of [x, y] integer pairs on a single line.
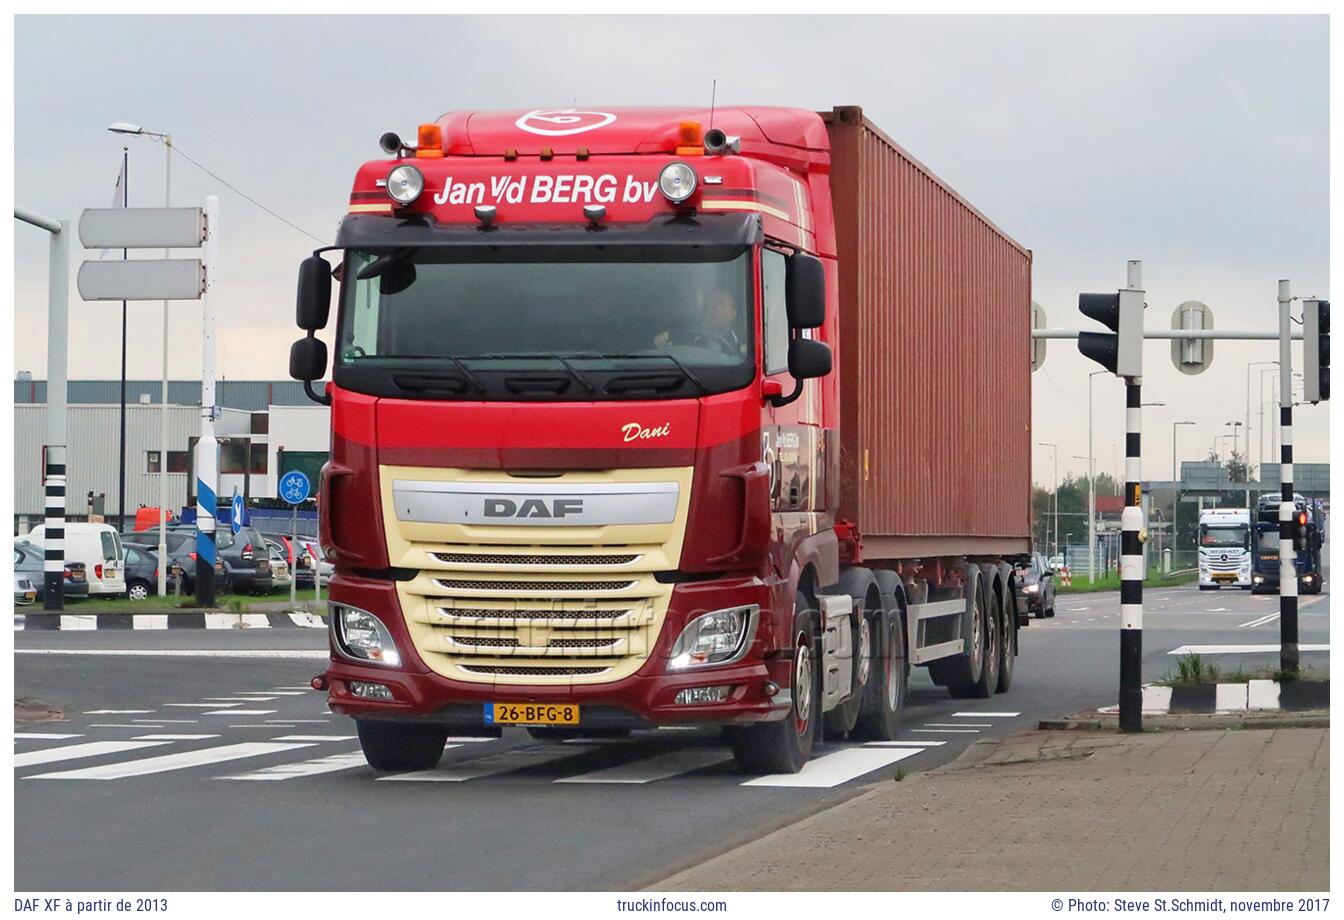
[[28, 561], [1036, 586], [98, 546], [279, 564], [142, 572], [243, 560], [181, 544], [308, 546], [24, 592]]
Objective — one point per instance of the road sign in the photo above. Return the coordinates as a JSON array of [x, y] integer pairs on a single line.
[[142, 279], [1038, 321], [141, 228], [1192, 356], [236, 514], [294, 487]]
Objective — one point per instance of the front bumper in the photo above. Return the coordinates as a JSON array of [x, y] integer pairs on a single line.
[[644, 699]]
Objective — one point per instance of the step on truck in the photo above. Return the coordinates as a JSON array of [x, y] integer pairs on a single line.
[[665, 417]]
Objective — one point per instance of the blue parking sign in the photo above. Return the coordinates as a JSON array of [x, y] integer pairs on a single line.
[[236, 514], [294, 487]]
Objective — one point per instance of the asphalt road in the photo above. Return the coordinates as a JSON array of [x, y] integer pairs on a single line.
[[211, 768]]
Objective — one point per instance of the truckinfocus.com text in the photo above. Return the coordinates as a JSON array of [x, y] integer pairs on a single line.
[[656, 905]]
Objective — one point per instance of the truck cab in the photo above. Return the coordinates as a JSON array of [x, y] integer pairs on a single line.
[[1224, 548], [1266, 536]]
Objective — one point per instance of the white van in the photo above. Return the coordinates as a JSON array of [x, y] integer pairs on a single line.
[[98, 546]]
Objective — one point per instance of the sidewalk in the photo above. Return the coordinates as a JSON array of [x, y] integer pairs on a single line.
[[1219, 810]]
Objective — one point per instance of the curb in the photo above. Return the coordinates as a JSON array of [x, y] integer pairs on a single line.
[[1253, 696], [50, 622]]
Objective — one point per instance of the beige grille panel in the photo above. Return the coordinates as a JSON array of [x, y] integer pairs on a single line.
[[535, 605]]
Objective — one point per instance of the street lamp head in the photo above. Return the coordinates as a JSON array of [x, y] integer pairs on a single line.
[[122, 127]]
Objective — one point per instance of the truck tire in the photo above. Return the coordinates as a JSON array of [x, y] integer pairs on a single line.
[[960, 672], [396, 747], [1008, 638], [982, 687], [858, 583], [784, 746], [883, 704]]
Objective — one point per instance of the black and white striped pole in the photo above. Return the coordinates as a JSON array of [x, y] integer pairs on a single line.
[[1288, 653], [1122, 354]]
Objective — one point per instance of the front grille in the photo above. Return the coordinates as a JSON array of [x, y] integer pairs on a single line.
[[495, 613], [535, 559], [480, 584], [515, 671], [491, 641], [582, 643]]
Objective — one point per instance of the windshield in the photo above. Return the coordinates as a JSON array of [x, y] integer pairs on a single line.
[[1222, 537], [1267, 541], [441, 326]]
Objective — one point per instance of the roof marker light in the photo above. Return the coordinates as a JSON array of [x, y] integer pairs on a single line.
[[677, 182], [690, 139], [404, 184], [430, 143]]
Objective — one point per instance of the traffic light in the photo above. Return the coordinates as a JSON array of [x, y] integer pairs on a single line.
[[1300, 531], [1316, 349], [1121, 350]]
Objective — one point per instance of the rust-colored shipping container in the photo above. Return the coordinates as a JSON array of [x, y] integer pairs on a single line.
[[934, 359]]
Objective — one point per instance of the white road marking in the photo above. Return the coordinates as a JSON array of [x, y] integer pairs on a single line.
[[167, 762], [117, 712], [651, 769], [241, 712], [489, 765], [179, 652], [946, 731], [985, 715], [173, 737], [1262, 694], [330, 764], [307, 689], [1239, 649], [1156, 699], [150, 621], [1229, 698], [169, 721], [273, 693], [905, 743], [307, 619], [201, 705], [236, 621], [958, 724], [141, 726], [235, 700], [49, 735], [464, 739], [75, 751], [1268, 618], [301, 721], [315, 738], [834, 769]]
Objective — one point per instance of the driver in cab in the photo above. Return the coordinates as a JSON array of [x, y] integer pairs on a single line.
[[717, 329]]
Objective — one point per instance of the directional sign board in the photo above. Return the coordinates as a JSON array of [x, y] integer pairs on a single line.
[[142, 279], [141, 228], [1037, 345], [294, 487], [236, 514]]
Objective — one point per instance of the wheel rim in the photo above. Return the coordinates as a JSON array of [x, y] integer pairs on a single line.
[[893, 676], [138, 593], [802, 685], [865, 652], [976, 639], [991, 646]]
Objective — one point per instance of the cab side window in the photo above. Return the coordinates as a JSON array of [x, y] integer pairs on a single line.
[[776, 318]]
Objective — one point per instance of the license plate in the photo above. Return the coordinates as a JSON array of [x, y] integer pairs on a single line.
[[1222, 577], [76, 576], [531, 714]]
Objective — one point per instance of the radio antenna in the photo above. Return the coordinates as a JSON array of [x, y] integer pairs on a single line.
[[713, 92]]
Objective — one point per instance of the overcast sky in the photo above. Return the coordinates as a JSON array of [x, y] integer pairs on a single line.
[[1198, 144]]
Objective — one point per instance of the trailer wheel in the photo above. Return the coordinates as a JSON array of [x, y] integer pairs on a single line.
[[884, 697], [960, 672], [1008, 639], [397, 747], [984, 646], [784, 746]]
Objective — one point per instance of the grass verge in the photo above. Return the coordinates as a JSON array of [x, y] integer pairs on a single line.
[[1111, 582]]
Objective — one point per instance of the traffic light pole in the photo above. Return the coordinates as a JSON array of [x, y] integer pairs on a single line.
[[207, 447], [1288, 652], [1131, 550]]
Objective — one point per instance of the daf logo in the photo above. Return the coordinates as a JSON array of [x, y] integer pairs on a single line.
[[532, 507]]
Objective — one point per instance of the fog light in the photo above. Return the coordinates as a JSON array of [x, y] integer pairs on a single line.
[[368, 691], [404, 184], [677, 182], [693, 696]]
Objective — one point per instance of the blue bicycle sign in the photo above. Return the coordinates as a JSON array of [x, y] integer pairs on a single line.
[[294, 487]]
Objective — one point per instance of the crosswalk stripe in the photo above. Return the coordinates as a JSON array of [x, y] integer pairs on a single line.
[[896, 744], [650, 769], [467, 739], [139, 726], [235, 700], [301, 721], [50, 736], [946, 731], [985, 715], [75, 751], [269, 694], [167, 762], [241, 712], [117, 712], [305, 768], [489, 765], [315, 738], [201, 705], [169, 721], [959, 724], [173, 737], [834, 769], [305, 689]]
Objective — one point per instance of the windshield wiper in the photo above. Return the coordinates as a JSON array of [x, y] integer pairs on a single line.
[[472, 380], [531, 356], [686, 371]]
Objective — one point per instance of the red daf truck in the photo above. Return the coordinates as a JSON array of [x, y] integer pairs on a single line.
[[665, 416]]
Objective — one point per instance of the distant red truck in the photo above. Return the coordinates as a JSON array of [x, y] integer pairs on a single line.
[[662, 417]]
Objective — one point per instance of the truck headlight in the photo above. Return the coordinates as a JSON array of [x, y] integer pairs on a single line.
[[717, 637], [677, 182], [362, 636], [404, 184]]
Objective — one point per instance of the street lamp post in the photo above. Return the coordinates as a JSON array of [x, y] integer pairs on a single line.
[[1235, 426], [1175, 484], [1091, 487], [1250, 365], [1260, 441], [1055, 450], [167, 139]]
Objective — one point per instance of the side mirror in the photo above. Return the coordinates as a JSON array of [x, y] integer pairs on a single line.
[[308, 359], [314, 302], [805, 291], [809, 358]]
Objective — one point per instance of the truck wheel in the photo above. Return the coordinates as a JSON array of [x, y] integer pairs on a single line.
[[884, 697], [960, 672], [859, 584], [1007, 641], [985, 641], [397, 747], [784, 746]]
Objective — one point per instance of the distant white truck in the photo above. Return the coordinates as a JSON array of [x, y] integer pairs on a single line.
[[1224, 548]]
